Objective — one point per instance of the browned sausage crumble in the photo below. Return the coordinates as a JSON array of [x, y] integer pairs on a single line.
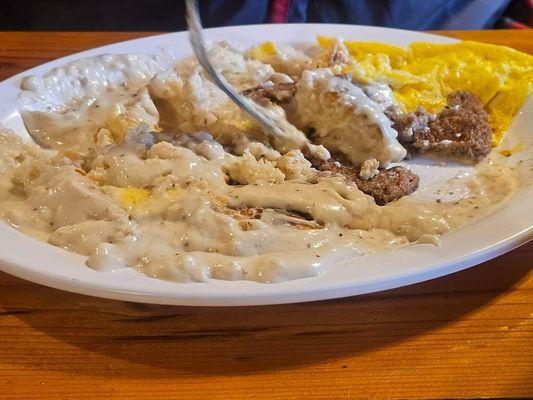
[[461, 131]]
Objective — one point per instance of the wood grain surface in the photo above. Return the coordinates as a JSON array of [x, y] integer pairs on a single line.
[[467, 335]]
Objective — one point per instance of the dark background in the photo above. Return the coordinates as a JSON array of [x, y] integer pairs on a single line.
[[168, 15], [103, 15]]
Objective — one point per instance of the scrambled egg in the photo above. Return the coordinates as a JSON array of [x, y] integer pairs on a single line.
[[266, 49], [129, 197], [133, 197], [423, 74]]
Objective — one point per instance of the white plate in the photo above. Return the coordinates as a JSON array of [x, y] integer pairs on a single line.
[[504, 230]]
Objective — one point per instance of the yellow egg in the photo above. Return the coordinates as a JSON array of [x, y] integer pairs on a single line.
[[396, 56], [138, 199], [504, 106], [132, 197], [263, 50]]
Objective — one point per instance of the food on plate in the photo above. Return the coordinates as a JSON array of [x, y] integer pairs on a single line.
[[460, 131], [385, 185], [344, 119], [141, 162], [424, 74]]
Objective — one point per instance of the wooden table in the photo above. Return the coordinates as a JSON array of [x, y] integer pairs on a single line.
[[468, 335]]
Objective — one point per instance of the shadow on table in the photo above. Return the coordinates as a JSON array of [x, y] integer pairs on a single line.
[[99, 337]]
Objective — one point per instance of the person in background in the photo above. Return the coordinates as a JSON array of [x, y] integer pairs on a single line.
[[405, 14], [168, 15]]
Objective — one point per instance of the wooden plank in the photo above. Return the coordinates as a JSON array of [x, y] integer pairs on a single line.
[[468, 335]]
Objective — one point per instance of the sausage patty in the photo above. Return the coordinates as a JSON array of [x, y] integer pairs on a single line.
[[461, 131], [386, 186]]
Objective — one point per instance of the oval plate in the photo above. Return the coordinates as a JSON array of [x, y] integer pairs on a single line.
[[509, 227]]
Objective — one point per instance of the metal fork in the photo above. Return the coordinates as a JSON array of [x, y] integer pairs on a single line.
[[271, 125]]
